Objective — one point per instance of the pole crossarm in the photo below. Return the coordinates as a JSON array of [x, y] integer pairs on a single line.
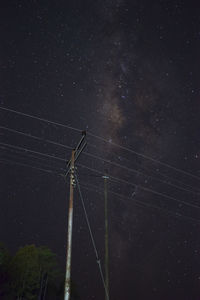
[[77, 151]]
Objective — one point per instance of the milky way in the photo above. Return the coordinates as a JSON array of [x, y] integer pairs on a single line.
[[127, 71]]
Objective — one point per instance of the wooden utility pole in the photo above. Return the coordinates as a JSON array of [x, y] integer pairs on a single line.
[[69, 235], [75, 154], [106, 234]]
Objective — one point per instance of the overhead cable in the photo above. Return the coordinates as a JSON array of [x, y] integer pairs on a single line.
[[22, 155], [101, 159], [104, 140], [137, 203], [39, 119], [112, 178], [7, 161], [139, 172], [96, 189], [31, 151], [35, 137]]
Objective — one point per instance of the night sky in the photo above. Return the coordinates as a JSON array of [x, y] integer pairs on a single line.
[[128, 72]]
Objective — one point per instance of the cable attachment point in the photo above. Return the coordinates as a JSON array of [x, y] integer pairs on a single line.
[[74, 183], [72, 169], [83, 132], [73, 180]]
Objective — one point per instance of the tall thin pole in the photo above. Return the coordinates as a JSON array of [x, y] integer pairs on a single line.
[[106, 234], [45, 287], [69, 236]]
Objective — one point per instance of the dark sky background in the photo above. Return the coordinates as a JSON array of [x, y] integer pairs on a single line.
[[127, 71]]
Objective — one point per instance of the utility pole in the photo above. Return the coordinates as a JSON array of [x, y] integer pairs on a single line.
[[69, 235], [106, 177], [75, 154]]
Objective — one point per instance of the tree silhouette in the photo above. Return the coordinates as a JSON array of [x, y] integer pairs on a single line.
[[31, 269], [4, 270]]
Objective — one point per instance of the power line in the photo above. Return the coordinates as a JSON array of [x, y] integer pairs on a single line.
[[104, 140], [31, 151], [91, 236], [40, 119], [155, 192], [35, 137], [141, 187], [99, 158], [95, 188], [14, 152], [159, 173], [111, 177], [144, 156], [139, 172], [6, 161]]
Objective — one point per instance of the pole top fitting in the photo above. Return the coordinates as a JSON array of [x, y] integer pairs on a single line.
[[105, 177], [84, 132]]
